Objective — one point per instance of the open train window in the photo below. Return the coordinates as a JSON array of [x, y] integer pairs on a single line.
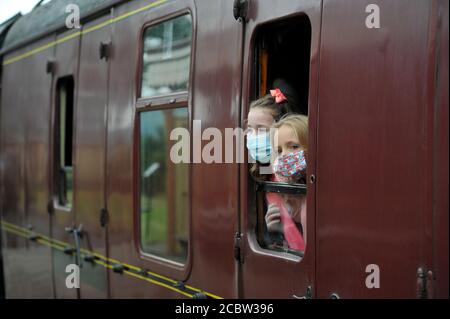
[[164, 204], [281, 58], [63, 169]]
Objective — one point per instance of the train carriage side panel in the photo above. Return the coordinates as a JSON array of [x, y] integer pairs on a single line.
[[441, 143], [375, 148], [24, 138], [90, 154], [123, 80], [213, 212], [215, 187]]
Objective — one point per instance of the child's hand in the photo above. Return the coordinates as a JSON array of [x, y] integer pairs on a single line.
[[273, 219]]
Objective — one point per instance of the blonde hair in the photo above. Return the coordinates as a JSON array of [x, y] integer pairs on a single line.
[[298, 123]]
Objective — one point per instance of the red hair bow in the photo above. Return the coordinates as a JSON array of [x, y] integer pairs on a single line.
[[278, 95]]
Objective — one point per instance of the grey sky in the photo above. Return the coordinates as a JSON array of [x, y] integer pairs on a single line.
[[9, 8]]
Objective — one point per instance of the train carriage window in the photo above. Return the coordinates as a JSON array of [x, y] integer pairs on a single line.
[[164, 204], [164, 186], [166, 57], [281, 60], [291, 198], [64, 142]]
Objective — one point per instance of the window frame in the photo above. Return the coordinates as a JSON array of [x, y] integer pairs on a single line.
[[263, 187], [56, 135], [253, 187], [182, 99]]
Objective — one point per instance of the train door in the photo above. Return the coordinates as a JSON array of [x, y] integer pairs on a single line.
[[280, 51], [90, 157], [149, 196], [375, 140], [79, 215], [64, 67]]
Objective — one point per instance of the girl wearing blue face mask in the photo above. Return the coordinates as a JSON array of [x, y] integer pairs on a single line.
[[263, 113]]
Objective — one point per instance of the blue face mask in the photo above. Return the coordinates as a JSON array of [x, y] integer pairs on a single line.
[[258, 146]]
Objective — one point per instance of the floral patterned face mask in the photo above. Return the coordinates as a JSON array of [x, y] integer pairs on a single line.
[[291, 165]]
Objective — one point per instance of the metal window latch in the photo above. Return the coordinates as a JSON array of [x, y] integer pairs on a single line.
[[50, 67], [424, 283], [240, 10], [104, 217], [105, 50], [237, 247]]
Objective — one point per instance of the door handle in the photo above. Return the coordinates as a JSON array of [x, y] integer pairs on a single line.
[[77, 235], [307, 296]]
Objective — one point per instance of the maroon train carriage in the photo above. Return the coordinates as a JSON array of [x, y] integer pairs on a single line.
[[87, 180]]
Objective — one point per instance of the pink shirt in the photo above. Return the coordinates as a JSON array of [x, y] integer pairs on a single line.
[[291, 233]]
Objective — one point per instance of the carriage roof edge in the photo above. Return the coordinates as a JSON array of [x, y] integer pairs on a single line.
[[48, 18], [6, 26]]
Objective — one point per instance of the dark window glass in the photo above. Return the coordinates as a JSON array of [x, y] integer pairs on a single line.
[[283, 53], [64, 142]]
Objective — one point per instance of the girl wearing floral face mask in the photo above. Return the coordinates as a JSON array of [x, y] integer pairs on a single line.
[[288, 213]]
